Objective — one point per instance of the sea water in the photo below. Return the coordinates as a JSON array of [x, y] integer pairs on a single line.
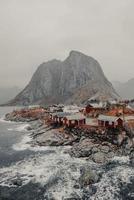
[[39, 173]]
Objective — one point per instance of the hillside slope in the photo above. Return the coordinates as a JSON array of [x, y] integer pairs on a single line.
[[74, 80]]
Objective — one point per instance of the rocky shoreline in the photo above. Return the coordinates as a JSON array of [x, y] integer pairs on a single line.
[[98, 151], [99, 148]]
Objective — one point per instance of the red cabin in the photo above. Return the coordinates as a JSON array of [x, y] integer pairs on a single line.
[[110, 121], [74, 120], [88, 108]]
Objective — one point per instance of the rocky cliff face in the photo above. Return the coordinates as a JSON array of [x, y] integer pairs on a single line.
[[74, 80]]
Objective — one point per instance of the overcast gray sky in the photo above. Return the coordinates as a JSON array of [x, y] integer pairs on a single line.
[[34, 31]]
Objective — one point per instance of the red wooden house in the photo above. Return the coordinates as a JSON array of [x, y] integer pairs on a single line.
[[94, 109], [74, 120], [88, 108], [58, 117], [110, 121]]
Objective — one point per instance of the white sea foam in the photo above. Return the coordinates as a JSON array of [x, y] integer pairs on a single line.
[[121, 159], [20, 128], [23, 144], [45, 169], [23, 127], [48, 167], [2, 119], [109, 184]]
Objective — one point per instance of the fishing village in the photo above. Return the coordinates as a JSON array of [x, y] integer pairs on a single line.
[[97, 131]]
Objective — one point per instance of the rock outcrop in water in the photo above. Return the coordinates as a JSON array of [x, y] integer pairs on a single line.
[[75, 80]]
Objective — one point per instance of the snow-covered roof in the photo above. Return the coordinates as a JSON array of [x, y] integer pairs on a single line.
[[114, 118], [34, 106], [108, 118], [61, 114], [71, 108], [113, 101], [131, 117], [76, 116], [98, 105]]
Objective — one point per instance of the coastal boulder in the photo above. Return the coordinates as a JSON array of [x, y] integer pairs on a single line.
[[88, 176], [99, 157]]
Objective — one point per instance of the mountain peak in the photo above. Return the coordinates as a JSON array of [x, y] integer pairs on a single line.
[[73, 80], [74, 53], [78, 56]]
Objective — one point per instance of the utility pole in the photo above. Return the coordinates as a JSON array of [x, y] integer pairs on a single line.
[[123, 112]]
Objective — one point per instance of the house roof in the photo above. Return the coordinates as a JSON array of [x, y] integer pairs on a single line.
[[72, 108], [76, 116], [108, 118], [89, 105], [61, 114], [130, 117], [98, 105]]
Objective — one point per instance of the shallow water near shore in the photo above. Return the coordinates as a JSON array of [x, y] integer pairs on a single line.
[[40, 173]]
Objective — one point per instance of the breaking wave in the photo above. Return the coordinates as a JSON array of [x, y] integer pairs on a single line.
[[59, 173], [113, 181], [21, 128], [23, 144], [2, 119], [54, 169]]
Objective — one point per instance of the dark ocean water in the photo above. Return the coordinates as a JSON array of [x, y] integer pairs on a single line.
[[41, 173], [10, 133]]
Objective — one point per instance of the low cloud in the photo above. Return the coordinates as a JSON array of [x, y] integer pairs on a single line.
[[35, 31]]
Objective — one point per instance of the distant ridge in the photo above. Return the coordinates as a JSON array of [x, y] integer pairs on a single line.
[[125, 90], [6, 93], [74, 80]]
